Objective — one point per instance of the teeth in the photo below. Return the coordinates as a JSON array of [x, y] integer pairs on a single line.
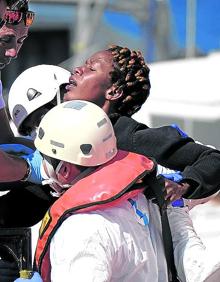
[[73, 82]]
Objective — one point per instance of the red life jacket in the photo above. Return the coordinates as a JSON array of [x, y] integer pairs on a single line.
[[106, 186]]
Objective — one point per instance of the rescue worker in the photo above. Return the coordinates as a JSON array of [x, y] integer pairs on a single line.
[[15, 20], [102, 227], [33, 198]]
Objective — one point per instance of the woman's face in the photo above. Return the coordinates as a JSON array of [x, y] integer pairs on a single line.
[[91, 81]]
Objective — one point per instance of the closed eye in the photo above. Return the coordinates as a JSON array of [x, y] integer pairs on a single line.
[[90, 66], [6, 39]]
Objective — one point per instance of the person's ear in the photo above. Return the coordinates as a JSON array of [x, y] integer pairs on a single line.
[[113, 93]]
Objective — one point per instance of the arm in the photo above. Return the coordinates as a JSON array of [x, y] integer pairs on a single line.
[[29, 161], [193, 261], [200, 165], [12, 168], [7, 136], [6, 132]]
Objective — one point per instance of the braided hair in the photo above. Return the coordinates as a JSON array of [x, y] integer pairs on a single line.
[[131, 76], [10, 2], [20, 5]]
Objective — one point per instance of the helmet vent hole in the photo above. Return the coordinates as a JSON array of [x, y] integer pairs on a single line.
[[41, 133], [86, 148], [33, 93]]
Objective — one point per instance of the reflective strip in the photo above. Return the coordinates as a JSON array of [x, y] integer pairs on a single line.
[[102, 122], [57, 144], [138, 212]]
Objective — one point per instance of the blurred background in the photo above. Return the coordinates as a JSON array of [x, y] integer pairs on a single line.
[[180, 39]]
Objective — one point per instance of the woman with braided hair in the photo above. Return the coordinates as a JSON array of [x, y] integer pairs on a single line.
[[129, 78], [132, 79], [117, 79]]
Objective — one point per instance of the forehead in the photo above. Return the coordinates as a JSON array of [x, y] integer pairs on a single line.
[[18, 30], [102, 57]]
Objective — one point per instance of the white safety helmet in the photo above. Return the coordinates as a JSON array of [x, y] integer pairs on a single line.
[[77, 132], [34, 88]]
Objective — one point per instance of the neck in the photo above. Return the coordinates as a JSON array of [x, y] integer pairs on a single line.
[[109, 107]]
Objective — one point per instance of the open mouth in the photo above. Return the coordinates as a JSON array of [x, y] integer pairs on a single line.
[[72, 83]]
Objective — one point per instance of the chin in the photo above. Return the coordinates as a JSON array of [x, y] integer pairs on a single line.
[[65, 98], [69, 96]]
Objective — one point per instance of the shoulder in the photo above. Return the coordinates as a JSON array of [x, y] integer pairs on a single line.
[[126, 127], [82, 235], [129, 122], [83, 227], [82, 239], [125, 130]]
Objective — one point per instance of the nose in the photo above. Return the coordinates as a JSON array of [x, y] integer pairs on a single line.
[[78, 70], [11, 52]]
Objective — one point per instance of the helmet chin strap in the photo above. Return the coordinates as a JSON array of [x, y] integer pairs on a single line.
[[58, 96], [54, 183], [58, 91], [33, 134]]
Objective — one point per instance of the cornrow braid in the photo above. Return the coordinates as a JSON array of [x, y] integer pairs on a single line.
[[20, 5], [131, 75]]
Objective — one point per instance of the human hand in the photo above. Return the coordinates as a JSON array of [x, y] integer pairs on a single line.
[[33, 158], [171, 174], [175, 191], [34, 161], [35, 278]]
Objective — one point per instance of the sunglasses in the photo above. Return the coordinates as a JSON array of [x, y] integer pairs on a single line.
[[14, 17]]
